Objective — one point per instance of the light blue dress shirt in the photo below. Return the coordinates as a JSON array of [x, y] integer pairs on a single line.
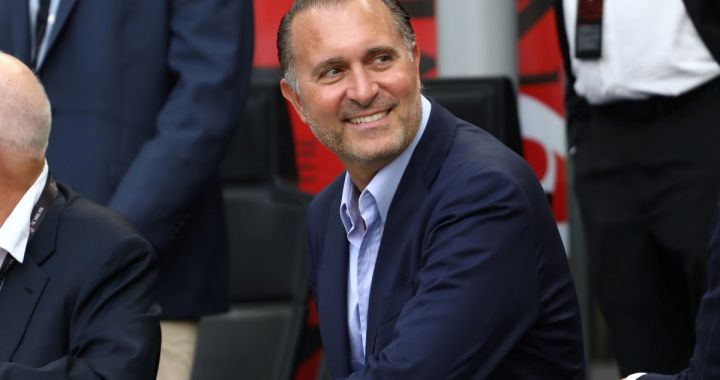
[[363, 216]]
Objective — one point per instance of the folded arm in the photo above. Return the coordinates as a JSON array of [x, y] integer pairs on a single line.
[[210, 54]]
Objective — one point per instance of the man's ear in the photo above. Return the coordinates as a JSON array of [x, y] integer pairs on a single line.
[[416, 57], [289, 93], [416, 62]]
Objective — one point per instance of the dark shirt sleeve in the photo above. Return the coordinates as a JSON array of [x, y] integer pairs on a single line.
[[210, 55]]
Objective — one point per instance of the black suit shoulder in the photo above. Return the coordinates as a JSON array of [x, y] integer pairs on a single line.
[[84, 220], [82, 210], [94, 237]]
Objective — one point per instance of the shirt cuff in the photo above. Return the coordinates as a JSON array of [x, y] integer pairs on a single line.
[[635, 376]]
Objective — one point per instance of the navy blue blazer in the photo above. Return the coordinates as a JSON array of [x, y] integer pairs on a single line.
[[146, 95], [705, 362], [80, 306], [471, 279]]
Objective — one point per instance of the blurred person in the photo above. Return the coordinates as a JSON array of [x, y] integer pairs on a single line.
[[76, 280], [705, 362], [642, 113], [435, 256], [146, 96]]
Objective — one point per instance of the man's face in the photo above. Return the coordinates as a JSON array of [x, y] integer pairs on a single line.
[[359, 88]]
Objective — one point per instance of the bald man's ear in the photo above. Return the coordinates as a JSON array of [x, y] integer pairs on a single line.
[[289, 93]]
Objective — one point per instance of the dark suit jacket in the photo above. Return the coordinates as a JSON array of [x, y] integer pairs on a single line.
[[145, 96], [80, 306], [471, 279], [705, 362]]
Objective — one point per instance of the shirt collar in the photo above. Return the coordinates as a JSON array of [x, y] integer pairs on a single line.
[[15, 231], [385, 183]]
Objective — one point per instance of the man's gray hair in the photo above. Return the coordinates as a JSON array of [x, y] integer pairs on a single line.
[[284, 39]]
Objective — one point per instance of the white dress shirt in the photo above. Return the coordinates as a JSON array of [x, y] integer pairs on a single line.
[[15, 231], [649, 47], [363, 216]]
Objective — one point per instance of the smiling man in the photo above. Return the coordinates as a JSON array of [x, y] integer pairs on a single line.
[[435, 256]]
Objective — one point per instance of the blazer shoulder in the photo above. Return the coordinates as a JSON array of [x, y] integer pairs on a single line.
[[96, 226], [475, 151], [480, 169]]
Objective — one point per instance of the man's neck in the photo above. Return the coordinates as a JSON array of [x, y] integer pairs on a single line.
[[362, 174]]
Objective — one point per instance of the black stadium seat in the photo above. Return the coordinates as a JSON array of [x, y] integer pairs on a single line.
[[489, 102], [258, 337]]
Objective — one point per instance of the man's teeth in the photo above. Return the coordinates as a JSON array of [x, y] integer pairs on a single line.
[[368, 119]]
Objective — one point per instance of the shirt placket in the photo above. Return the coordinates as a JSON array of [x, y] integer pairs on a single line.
[[370, 216]]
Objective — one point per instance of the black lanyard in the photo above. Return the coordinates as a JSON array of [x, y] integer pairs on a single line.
[[46, 200], [588, 31]]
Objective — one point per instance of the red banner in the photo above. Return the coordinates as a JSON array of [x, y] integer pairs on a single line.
[[540, 102]]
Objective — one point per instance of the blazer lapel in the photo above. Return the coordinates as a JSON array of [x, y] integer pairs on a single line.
[[23, 287], [25, 283], [332, 294], [419, 175], [64, 9], [20, 29], [390, 268]]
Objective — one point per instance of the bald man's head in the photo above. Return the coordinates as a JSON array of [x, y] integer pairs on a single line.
[[24, 110]]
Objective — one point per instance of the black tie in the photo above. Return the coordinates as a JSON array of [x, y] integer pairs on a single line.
[[40, 28]]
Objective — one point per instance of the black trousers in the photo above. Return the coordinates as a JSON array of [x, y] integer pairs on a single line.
[[647, 176]]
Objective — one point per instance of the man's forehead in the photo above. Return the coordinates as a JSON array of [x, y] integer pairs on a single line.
[[353, 23], [325, 14]]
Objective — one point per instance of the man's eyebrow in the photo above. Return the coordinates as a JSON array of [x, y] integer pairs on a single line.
[[381, 49], [337, 61]]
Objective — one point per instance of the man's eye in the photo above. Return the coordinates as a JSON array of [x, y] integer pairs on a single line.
[[384, 58], [331, 72]]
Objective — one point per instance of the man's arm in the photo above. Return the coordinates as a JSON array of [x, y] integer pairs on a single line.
[[114, 331], [477, 292], [211, 54]]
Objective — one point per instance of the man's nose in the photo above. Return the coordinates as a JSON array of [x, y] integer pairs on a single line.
[[363, 88]]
